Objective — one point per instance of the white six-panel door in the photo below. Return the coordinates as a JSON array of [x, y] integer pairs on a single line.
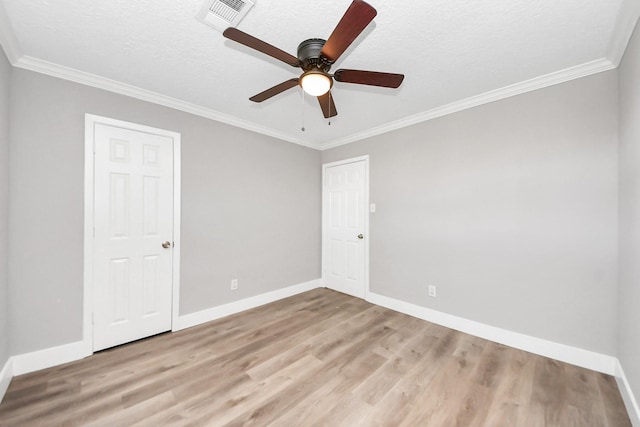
[[344, 227], [133, 238]]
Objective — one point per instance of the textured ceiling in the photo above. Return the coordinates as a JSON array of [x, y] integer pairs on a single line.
[[454, 54]]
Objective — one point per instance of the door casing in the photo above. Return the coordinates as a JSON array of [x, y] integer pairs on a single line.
[[89, 219]]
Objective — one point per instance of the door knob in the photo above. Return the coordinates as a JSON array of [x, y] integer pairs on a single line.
[[360, 236], [166, 244]]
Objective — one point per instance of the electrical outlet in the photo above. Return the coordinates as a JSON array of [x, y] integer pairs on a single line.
[[432, 291], [234, 285]]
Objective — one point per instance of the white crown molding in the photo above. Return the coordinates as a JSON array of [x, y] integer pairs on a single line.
[[547, 80], [623, 30], [627, 18], [8, 40], [55, 70], [66, 73], [204, 316], [630, 401], [564, 353], [12, 49]]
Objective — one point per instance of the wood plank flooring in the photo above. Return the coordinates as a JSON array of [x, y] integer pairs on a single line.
[[317, 359]]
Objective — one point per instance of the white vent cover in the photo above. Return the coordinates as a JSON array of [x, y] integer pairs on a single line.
[[222, 14]]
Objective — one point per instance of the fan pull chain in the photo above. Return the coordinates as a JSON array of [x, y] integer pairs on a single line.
[[329, 100], [302, 129]]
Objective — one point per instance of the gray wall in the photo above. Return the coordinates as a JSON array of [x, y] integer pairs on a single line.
[[5, 76], [629, 313], [250, 207], [510, 209]]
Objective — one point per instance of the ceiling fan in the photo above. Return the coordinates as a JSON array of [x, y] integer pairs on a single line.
[[316, 56]]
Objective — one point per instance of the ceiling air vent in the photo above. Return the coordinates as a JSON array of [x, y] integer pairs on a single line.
[[222, 14]]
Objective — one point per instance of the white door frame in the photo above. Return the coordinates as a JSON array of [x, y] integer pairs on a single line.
[[89, 220], [366, 216]]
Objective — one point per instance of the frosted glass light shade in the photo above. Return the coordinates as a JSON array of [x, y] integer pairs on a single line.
[[315, 83]]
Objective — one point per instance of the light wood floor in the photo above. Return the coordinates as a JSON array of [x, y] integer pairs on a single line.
[[317, 359]]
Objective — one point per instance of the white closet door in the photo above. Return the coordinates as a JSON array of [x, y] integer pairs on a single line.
[[133, 245], [344, 228]]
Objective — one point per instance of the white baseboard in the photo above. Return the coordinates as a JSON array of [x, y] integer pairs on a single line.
[[34, 361], [5, 377], [197, 318], [42, 359], [575, 356], [627, 395]]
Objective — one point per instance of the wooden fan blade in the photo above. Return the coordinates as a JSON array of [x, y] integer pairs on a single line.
[[371, 78], [327, 105], [263, 96], [257, 44], [353, 22]]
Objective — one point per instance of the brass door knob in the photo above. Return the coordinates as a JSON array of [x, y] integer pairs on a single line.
[[166, 244]]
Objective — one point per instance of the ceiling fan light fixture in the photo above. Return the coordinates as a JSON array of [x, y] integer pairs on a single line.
[[316, 83]]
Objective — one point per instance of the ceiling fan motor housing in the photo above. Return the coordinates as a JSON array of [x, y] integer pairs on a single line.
[[309, 55]]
